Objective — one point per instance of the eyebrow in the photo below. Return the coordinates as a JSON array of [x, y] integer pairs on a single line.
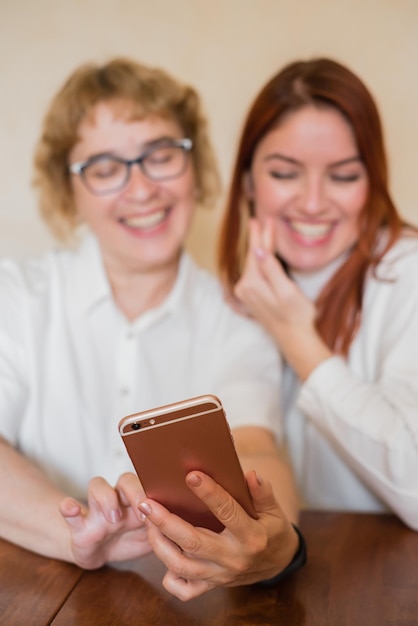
[[287, 159], [143, 148]]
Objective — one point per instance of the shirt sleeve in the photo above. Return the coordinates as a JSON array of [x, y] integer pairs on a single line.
[[370, 412], [248, 374]]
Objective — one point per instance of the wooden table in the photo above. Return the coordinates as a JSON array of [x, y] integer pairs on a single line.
[[362, 571]]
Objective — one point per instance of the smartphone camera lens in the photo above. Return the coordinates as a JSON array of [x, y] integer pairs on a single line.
[[135, 426]]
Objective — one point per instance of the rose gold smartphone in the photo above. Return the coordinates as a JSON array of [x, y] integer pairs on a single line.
[[166, 443]]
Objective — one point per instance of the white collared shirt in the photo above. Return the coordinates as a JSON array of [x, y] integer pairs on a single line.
[[71, 365]]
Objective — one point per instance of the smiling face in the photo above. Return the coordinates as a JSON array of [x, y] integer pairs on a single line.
[[142, 227], [307, 177]]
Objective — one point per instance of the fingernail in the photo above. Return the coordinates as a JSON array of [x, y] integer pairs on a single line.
[[194, 480], [259, 479], [145, 508], [115, 516], [260, 253]]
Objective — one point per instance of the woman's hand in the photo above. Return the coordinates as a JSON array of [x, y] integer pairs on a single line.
[[274, 300], [267, 292], [108, 529], [246, 551]]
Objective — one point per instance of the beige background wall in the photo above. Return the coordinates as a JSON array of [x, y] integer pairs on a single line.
[[227, 48]]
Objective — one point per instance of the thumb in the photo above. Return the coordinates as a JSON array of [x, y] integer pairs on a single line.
[[262, 493], [72, 512]]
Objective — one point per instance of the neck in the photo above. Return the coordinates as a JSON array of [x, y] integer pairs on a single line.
[[136, 292]]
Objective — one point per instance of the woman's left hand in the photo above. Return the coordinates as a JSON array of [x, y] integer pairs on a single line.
[[108, 528], [246, 551]]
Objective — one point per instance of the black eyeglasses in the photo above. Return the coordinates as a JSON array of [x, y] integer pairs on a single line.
[[105, 173]]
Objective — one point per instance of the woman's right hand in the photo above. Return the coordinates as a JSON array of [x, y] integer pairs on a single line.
[[246, 551], [274, 300], [107, 529]]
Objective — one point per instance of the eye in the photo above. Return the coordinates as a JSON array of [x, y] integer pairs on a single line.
[[104, 168], [345, 178], [283, 175], [162, 155]]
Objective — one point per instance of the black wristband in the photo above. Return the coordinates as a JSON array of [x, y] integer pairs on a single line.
[[296, 563]]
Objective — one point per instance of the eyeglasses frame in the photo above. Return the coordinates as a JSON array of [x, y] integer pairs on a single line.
[[79, 167]]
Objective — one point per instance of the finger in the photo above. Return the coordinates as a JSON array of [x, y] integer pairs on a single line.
[[221, 503], [103, 499], [274, 275], [184, 535], [247, 289], [184, 589], [267, 235], [73, 513], [254, 290], [255, 242], [262, 494], [181, 563], [130, 490]]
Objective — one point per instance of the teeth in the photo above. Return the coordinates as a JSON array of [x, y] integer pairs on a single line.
[[311, 230], [145, 221]]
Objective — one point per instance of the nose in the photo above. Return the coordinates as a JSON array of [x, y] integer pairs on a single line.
[[139, 186], [313, 196]]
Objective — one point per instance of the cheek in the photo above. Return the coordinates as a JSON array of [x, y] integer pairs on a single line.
[[82, 199], [270, 198], [354, 200], [81, 206], [91, 209], [186, 192]]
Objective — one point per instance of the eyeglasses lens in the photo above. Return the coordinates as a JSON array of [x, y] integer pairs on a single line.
[[110, 174]]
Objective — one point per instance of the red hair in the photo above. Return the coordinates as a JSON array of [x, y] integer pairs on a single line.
[[321, 82]]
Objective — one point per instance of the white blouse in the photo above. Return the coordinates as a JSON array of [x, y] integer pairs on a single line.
[[71, 366], [352, 427]]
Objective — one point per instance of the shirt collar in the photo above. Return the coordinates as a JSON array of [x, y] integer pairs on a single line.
[[88, 278], [175, 298], [312, 282], [91, 285]]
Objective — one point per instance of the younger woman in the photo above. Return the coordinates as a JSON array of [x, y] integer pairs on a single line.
[[313, 247]]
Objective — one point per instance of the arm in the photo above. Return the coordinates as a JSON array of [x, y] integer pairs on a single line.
[[29, 513], [371, 416], [374, 426], [30, 502], [257, 450], [37, 516]]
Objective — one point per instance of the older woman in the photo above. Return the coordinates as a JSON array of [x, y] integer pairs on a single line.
[[123, 320]]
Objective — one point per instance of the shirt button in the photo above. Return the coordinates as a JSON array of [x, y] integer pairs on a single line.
[[125, 391], [129, 335]]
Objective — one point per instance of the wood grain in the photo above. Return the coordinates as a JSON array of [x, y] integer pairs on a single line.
[[362, 571]]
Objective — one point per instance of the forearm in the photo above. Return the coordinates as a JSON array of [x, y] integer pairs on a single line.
[[278, 473], [302, 348], [258, 451], [29, 513], [375, 428]]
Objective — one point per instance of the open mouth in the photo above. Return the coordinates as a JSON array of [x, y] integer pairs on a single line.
[[146, 222], [311, 230]]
